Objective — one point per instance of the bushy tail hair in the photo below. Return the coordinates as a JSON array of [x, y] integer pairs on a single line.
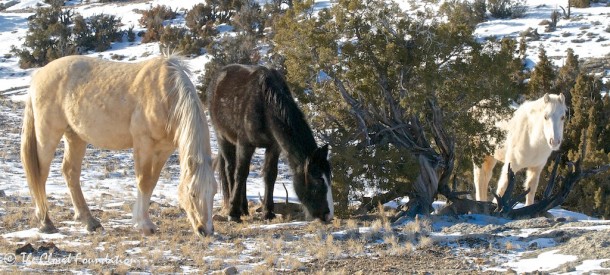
[[29, 157]]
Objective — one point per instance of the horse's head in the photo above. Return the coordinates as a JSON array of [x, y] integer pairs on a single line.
[[313, 186], [196, 195], [554, 118]]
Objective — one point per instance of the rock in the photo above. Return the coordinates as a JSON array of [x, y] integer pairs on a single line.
[[230, 271], [2, 194], [227, 271]]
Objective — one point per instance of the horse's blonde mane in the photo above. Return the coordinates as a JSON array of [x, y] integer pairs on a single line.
[[186, 117]]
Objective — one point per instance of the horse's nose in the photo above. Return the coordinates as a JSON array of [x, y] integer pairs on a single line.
[[554, 142], [328, 217], [204, 232]]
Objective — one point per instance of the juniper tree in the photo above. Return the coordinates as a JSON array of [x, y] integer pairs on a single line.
[[591, 196], [365, 72], [48, 37], [542, 77], [566, 77]]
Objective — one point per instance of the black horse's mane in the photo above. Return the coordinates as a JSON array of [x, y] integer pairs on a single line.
[[287, 121]]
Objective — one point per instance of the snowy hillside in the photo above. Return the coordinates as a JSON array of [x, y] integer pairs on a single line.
[[568, 242]]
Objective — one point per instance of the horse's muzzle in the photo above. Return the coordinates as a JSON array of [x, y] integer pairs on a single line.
[[203, 232], [554, 143]]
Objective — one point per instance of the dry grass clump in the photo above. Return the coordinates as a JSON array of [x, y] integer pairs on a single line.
[[421, 226]]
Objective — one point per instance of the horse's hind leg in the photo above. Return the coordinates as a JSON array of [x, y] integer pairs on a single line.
[[71, 167], [239, 203], [482, 176], [270, 175], [148, 164], [531, 183], [47, 144]]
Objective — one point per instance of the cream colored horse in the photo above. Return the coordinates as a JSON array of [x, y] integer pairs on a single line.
[[534, 131], [150, 106]]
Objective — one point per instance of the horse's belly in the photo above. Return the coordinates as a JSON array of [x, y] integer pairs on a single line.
[[103, 131]]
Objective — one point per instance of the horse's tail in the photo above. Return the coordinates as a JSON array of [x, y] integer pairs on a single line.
[[218, 162], [29, 158]]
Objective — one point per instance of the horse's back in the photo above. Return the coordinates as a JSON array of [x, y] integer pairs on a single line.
[[101, 100], [237, 105]]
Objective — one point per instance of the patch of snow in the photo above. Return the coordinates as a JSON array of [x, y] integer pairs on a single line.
[[32, 234], [544, 262]]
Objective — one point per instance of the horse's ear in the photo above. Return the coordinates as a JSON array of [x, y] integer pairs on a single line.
[[562, 98], [547, 98]]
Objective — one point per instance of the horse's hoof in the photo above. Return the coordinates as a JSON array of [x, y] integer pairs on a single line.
[[269, 216], [48, 228], [202, 232], [234, 219], [147, 231], [93, 224]]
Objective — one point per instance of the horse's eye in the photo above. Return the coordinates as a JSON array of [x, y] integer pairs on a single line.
[[563, 117], [546, 117]]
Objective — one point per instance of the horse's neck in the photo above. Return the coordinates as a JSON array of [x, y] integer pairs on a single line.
[[296, 155]]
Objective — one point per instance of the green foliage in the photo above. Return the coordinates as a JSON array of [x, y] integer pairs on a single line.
[[579, 3], [131, 35], [48, 37], [182, 41], [391, 65], [152, 20], [542, 77], [507, 8], [53, 33], [100, 31], [588, 125], [250, 18], [464, 12], [223, 10], [200, 20], [566, 77], [241, 49]]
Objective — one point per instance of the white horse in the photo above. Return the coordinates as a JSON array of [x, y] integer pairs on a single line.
[[534, 131], [150, 106]]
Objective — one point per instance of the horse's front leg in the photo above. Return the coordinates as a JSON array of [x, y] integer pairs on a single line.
[[148, 164], [73, 157], [243, 155], [502, 181], [270, 175], [531, 183]]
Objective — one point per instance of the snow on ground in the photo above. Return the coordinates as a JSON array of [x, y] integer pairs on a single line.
[[586, 32], [108, 173]]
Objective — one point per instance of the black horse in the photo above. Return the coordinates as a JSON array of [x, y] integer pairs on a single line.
[[251, 107]]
